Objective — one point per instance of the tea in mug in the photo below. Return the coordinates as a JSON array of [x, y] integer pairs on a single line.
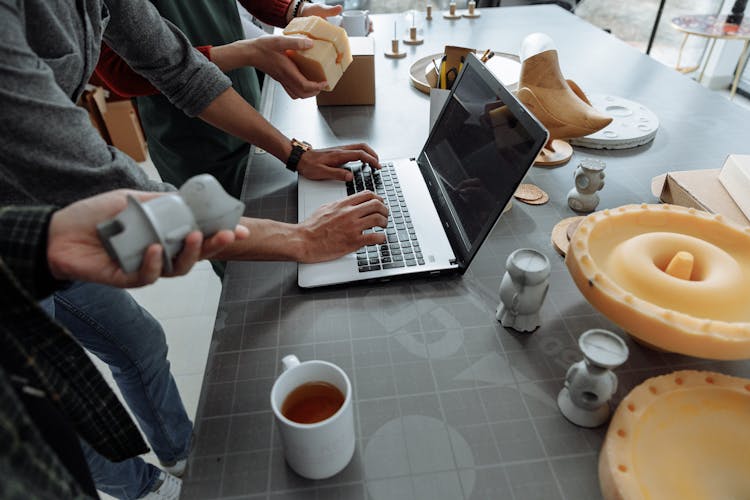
[[312, 402]]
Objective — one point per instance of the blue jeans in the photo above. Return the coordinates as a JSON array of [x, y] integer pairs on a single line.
[[111, 325]]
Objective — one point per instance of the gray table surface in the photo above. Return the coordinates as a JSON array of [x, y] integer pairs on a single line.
[[448, 404]]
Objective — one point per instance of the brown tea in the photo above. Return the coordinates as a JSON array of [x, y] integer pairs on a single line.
[[312, 402]]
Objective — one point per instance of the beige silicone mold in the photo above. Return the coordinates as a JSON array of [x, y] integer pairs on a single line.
[[618, 259], [679, 436]]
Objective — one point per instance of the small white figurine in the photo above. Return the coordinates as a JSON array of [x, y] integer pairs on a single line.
[[590, 383], [589, 178], [523, 289]]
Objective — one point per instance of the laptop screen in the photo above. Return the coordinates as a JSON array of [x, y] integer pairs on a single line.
[[479, 150]]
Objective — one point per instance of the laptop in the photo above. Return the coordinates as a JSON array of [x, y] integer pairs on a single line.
[[444, 202]]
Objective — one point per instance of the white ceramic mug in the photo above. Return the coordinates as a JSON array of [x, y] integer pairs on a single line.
[[322, 449], [356, 22], [335, 20]]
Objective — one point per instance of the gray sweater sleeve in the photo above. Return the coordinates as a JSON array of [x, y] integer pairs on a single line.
[[49, 151], [160, 52]]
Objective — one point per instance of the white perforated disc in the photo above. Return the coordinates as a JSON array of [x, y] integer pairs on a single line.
[[633, 124]]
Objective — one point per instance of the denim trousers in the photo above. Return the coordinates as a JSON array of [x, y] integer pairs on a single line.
[[109, 323]]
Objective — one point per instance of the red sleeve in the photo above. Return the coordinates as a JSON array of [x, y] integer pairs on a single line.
[[114, 74], [271, 12]]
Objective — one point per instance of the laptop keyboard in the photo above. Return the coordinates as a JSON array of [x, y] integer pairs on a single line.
[[402, 247]]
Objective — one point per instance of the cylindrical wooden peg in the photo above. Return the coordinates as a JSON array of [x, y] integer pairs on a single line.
[[394, 53], [413, 38], [452, 14]]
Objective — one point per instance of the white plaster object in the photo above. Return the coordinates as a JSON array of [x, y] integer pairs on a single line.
[[633, 124], [523, 289], [589, 178], [590, 383]]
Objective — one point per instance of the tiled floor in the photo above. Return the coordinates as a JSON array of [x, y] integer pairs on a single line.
[[186, 308]]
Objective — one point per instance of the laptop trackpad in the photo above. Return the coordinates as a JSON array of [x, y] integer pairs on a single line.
[[313, 194]]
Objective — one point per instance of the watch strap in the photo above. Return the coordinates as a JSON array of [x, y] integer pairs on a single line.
[[298, 149]]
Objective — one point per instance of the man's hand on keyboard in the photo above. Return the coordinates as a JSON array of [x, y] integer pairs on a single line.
[[322, 164], [336, 229]]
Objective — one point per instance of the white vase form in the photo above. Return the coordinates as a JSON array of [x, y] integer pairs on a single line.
[[523, 289]]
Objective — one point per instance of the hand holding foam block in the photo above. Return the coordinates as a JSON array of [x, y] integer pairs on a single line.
[[330, 54]]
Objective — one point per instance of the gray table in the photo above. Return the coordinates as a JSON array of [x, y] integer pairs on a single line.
[[449, 404]]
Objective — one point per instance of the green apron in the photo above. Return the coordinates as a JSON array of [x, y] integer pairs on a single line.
[[180, 146]]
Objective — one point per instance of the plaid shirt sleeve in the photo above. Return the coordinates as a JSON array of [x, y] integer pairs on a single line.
[[36, 348], [23, 247], [28, 467]]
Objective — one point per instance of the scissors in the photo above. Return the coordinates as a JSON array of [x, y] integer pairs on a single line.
[[452, 73]]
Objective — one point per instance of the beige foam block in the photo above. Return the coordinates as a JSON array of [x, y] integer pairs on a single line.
[[318, 63], [318, 29]]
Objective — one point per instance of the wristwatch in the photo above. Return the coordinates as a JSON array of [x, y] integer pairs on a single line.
[[298, 148], [298, 7]]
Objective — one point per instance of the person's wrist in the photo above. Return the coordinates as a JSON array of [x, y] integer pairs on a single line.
[[297, 150], [298, 247], [55, 265], [250, 53]]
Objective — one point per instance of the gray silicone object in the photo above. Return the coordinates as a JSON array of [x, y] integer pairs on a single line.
[[200, 204]]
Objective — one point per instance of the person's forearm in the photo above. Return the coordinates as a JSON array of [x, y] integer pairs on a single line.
[[232, 55], [160, 52], [232, 114], [268, 240], [113, 73]]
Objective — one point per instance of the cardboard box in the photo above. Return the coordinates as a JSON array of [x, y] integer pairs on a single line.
[[735, 177], [699, 189], [125, 129], [94, 101], [357, 85]]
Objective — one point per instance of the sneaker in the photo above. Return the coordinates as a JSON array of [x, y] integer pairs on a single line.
[[167, 488], [176, 468]]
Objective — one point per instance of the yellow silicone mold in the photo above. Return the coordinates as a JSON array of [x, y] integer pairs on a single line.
[[682, 436], [673, 277]]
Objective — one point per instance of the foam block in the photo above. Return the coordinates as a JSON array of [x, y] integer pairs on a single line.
[[330, 54]]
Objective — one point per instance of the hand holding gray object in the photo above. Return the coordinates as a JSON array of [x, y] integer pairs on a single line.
[[201, 204], [75, 252]]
